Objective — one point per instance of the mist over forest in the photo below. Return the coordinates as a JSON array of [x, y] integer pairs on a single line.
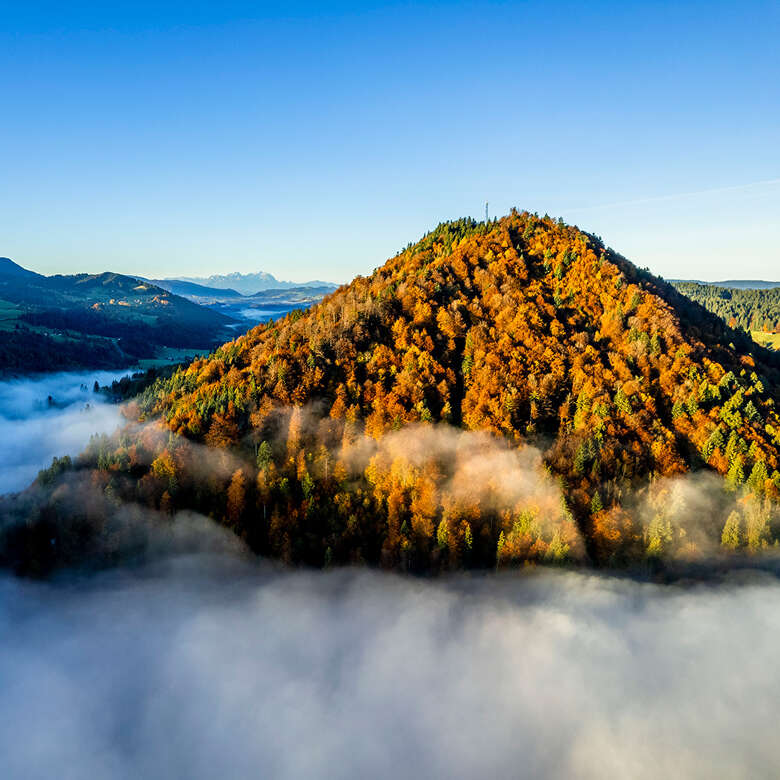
[[209, 663], [50, 416]]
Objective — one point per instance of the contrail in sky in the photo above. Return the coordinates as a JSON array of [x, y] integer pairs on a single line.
[[677, 195]]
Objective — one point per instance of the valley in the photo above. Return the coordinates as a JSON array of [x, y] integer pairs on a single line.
[[96, 321], [102, 321]]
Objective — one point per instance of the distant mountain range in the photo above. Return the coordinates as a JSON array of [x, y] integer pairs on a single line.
[[243, 284], [195, 290]]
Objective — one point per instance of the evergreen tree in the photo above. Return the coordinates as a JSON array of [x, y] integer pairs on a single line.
[[736, 473], [758, 477], [731, 537]]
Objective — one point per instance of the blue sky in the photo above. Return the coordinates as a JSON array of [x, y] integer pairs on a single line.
[[316, 139]]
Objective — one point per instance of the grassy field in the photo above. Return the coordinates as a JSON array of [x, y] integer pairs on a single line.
[[771, 340], [9, 313], [167, 355]]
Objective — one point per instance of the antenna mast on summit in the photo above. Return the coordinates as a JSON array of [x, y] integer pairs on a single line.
[[486, 212]]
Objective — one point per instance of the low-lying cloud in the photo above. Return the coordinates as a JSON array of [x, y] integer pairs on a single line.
[[209, 666], [33, 430]]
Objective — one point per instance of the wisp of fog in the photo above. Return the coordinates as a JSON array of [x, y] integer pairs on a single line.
[[215, 665], [34, 430]]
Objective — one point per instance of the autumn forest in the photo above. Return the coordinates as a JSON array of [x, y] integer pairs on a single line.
[[496, 394]]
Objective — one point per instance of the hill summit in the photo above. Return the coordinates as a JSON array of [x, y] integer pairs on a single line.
[[497, 392], [9, 268]]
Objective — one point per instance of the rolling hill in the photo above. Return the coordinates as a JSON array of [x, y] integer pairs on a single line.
[[496, 393], [103, 320]]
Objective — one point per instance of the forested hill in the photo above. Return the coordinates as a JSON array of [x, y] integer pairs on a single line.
[[344, 433], [749, 309], [731, 284]]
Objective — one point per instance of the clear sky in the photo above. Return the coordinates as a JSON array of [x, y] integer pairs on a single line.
[[313, 140]]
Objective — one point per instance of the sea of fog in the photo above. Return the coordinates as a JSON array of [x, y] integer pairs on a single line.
[[217, 665], [33, 430], [261, 315], [206, 662]]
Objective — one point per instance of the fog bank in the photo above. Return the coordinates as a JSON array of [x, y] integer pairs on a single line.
[[216, 666], [33, 431]]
